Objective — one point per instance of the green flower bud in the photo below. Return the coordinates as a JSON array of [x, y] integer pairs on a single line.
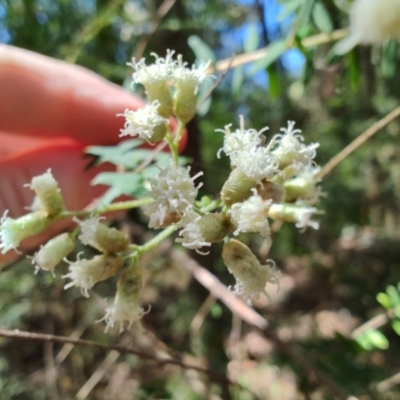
[[48, 193], [101, 237], [237, 188], [53, 252], [14, 231], [126, 306], [251, 277], [84, 274], [214, 227]]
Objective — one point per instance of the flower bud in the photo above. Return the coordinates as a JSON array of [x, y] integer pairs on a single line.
[[214, 227], [48, 193], [160, 91], [301, 215], [101, 237], [53, 252], [251, 277], [185, 100], [14, 231], [126, 304], [271, 191], [237, 188], [84, 274]]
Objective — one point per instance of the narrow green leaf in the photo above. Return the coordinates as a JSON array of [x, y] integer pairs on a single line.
[[274, 83], [201, 49], [289, 8], [389, 58], [304, 15], [237, 80], [377, 339], [353, 70], [322, 18], [252, 39], [396, 326], [384, 300], [274, 50], [393, 295]]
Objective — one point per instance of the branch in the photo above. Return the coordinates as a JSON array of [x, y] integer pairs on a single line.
[[246, 313], [41, 337], [356, 143]]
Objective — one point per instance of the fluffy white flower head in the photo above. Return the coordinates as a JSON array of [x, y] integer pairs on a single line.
[[88, 230], [192, 236], [371, 22], [124, 310], [174, 192], [251, 215], [161, 70], [143, 121], [43, 183], [190, 77], [10, 233], [84, 274], [257, 163], [289, 148], [240, 140]]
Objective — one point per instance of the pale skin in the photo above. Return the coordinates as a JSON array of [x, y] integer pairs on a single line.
[[49, 111]]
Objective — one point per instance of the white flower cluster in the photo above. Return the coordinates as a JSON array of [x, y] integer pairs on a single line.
[[168, 69], [371, 22], [143, 122], [174, 193], [285, 163]]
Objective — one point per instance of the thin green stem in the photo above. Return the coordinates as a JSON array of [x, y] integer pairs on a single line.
[[122, 205], [154, 242]]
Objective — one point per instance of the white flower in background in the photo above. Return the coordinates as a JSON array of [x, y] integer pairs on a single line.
[[371, 22], [251, 215], [251, 277], [300, 215], [144, 122], [290, 150], [174, 193], [240, 140]]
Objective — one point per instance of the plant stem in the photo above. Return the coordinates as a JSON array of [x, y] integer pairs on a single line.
[[155, 241]]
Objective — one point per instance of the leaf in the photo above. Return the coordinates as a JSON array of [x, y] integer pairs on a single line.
[[393, 295], [389, 58], [304, 15], [353, 70], [371, 339], [274, 84], [237, 80], [384, 300], [201, 49], [322, 18], [377, 339], [252, 39], [289, 8], [274, 51], [396, 326], [127, 183]]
